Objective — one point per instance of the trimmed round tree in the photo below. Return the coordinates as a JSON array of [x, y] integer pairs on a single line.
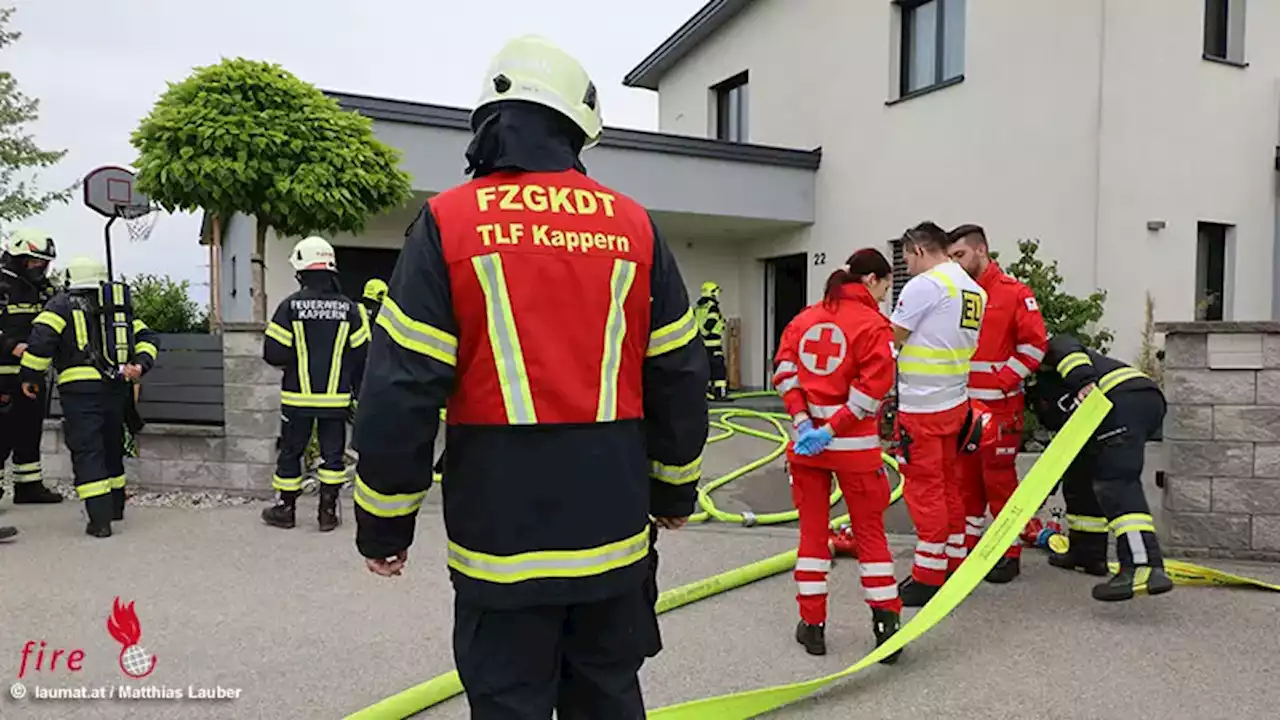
[[249, 137]]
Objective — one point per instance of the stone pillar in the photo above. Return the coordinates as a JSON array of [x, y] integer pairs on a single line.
[[1222, 495], [251, 398]]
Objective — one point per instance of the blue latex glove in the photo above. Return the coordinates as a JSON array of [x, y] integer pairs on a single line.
[[813, 441], [804, 427]]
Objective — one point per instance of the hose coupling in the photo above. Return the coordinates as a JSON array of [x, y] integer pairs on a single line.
[[748, 518]]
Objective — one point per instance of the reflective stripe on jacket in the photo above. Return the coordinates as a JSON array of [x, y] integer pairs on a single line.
[[933, 376], [834, 367], [319, 339]]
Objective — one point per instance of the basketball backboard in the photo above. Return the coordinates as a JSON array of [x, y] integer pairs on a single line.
[[109, 191]]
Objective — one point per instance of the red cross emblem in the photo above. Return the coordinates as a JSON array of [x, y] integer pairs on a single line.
[[822, 348]]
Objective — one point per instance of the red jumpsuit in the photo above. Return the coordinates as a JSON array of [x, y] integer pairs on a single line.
[[833, 367], [1010, 347]]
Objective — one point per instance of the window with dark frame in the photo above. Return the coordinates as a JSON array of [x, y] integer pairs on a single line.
[[731, 108], [932, 43], [1224, 30], [1211, 270], [900, 274]]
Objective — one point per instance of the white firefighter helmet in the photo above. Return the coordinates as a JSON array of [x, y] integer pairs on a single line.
[[533, 69], [313, 253], [85, 272], [30, 242]]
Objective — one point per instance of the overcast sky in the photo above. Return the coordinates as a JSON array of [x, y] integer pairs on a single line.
[[97, 67]]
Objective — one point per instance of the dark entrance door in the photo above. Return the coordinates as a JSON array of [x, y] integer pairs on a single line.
[[786, 294]]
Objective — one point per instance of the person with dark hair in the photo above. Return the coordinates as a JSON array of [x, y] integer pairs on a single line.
[[1010, 348], [834, 366], [935, 326], [1103, 486]]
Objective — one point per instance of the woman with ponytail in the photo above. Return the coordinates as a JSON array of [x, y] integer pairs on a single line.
[[834, 366]]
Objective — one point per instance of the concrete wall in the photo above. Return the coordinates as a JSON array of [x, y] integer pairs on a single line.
[[1223, 431], [1076, 123]]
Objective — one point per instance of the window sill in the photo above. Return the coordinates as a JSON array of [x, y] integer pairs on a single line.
[[926, 90], [1224, 61]]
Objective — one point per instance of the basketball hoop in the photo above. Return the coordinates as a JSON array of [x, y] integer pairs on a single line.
[[109, 191], [139, 220]]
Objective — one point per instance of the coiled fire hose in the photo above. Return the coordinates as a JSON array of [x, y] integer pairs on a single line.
[[1026, 501]]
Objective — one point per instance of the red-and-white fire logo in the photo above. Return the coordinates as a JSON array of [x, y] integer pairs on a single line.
[[123, 625]]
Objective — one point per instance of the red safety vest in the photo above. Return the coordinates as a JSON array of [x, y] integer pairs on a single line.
[[550, 280]]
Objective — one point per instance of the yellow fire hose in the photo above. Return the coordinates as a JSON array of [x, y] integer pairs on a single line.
[[1026, 501]]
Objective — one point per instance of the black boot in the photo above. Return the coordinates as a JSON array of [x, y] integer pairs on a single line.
[[1086, 551], [117, 504], [281, 514], [884, 623], [328, 517], [915, 593], [1006, 569], [812, 637], [1132, 581], [99, 511], [34, 493], [7, 533]]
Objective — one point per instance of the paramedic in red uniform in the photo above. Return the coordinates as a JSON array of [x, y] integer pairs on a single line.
[[1010, 347], [544, 310], [834, 366], [935, 326]]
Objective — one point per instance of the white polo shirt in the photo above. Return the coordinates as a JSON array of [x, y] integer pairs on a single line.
[[943, 309]]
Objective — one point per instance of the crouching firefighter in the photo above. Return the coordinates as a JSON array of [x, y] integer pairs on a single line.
[[318, 337], [711, 328], [24, 289], [1103, 486], [89, 336]]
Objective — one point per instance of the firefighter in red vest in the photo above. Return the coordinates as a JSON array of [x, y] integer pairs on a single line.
[[545, 311], [834, 366], [1010, 347]]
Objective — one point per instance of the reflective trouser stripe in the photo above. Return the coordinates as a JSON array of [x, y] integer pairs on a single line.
[[508, 356], [507, 569], [1086, 523], [880, 593], [94, 489], [931, 563], [615, 331], [811, 587], [331, 477], [386, 506], [876, 569], [27, 472], [286, 484], [1129, 528], [807, 564], [117, 482], [974, 525], [335, 362], [304, 360]]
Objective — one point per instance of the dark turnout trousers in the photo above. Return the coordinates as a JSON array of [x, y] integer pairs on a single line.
[[94, 433]]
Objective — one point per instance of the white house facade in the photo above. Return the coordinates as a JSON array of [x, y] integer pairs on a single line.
[[1136, 139]]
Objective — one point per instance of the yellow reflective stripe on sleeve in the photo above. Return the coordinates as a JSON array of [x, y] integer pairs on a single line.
[[361, 335], [677, 474], [615, 331], [94, 489], [1114, 378], [417, 336], [146, 348], [304, 360], [335, 362], [139, 326], [1071, 362], [672, 336], [279, 334], [82, 329], [52, 319], [35, 362], [504, 340], [386, 506], [76, 374], [10, 369], [506, 569], [315, 400]]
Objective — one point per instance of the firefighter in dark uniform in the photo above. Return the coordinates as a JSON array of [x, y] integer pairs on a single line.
[[548, 314], [88, 334], [318, 337], [371, 299], [1103, 486], [24, 289], [711, 328]]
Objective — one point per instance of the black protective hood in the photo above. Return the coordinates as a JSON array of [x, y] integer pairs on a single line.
[[319, 280], [523, 136]]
